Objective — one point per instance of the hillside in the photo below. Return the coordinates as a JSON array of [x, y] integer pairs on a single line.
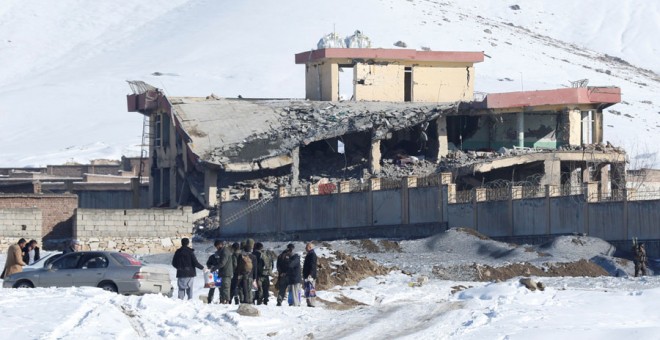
[[62, 84]]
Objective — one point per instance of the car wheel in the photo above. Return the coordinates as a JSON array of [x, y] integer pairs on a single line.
[[24, 284], [108, 286]]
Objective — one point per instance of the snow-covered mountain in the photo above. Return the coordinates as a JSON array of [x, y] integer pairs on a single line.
[[63, 64]]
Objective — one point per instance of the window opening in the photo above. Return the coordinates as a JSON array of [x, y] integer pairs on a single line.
[[407, 84]]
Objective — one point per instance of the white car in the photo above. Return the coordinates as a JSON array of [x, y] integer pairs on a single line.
[[113, 271]]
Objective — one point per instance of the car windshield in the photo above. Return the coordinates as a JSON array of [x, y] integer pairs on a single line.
[[45, 260], [126, 259]]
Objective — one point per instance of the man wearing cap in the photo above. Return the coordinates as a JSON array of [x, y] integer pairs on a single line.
[[247, 272], [14, 263], [282, 268], [73, 247]]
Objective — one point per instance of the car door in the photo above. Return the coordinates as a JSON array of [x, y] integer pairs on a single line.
[[61, 272], [93, 267]]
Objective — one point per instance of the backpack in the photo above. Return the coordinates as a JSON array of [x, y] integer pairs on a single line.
[[244, 263], [266, 265]]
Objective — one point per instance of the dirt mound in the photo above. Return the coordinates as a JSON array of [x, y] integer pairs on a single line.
[[383, 246], [346, 270], [479, 272]]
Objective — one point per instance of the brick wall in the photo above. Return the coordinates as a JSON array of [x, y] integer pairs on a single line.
[[16, 223], [57, 211], [138, 231]]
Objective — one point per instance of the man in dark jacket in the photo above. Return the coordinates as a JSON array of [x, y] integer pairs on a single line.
[[247, 272], [309, 270], [294, 278], [236, 252], [264, 271], [282, 268], [31, 252], [185, 262]]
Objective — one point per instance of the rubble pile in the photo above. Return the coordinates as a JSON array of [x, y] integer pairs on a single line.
[[304, 122]]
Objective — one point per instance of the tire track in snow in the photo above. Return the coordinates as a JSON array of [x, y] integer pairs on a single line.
[[87, 308]]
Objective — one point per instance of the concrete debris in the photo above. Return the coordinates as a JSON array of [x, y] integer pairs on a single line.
[[303, 122]]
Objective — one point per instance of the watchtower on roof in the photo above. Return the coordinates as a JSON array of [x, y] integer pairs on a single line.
[[396, 75]]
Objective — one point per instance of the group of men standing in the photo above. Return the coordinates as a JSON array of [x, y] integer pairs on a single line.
[[290, 277], [244, 271], [20, 254]]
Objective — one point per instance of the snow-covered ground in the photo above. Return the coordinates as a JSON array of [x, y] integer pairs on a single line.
[[380, 307], [64, 63]]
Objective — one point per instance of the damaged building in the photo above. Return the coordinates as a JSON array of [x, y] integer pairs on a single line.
[[372, 113]]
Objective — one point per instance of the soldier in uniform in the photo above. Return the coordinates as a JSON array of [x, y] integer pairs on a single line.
[[640, 259]]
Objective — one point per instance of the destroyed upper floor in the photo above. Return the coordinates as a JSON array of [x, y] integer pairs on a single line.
[[404, 103]]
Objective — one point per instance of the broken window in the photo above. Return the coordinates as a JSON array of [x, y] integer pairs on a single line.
[[325, 158], [157, 130], [420, 141], [461, 128]]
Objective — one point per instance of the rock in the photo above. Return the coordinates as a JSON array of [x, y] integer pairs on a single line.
[[530, 284], [247, 310]]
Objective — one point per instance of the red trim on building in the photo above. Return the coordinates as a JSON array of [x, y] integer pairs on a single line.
[[388, 54], [582, 95]]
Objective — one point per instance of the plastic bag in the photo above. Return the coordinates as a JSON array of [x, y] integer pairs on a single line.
[[217, 279], [310, 291], [208, 280]]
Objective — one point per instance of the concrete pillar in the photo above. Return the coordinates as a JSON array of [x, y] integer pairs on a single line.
[[480, 194], [225, 196], [344, 186], [295, 167], [443, 147], [574, 127], [552, 190], [282, 192], [605, 181], [313, 189], [374, 157], [586, 174], [374, 184], [445, 178], [411, 182], [451, 193], [520, 120], [405, 199], [516, 192], [210, 187], [252, 194], [552, 172], [597, 126], [587, 127], [591, 194]]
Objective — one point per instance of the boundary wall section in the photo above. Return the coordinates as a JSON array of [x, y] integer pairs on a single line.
[[19, 223], [136, 231], [57, 211]]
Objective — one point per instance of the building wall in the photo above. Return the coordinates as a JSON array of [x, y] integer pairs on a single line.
[[17, 223], [446, 83], [322, 81], [57, 211], [379, 82], [137, 231]]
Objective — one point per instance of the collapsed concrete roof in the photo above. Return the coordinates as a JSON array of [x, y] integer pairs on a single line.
[[248, 134]]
